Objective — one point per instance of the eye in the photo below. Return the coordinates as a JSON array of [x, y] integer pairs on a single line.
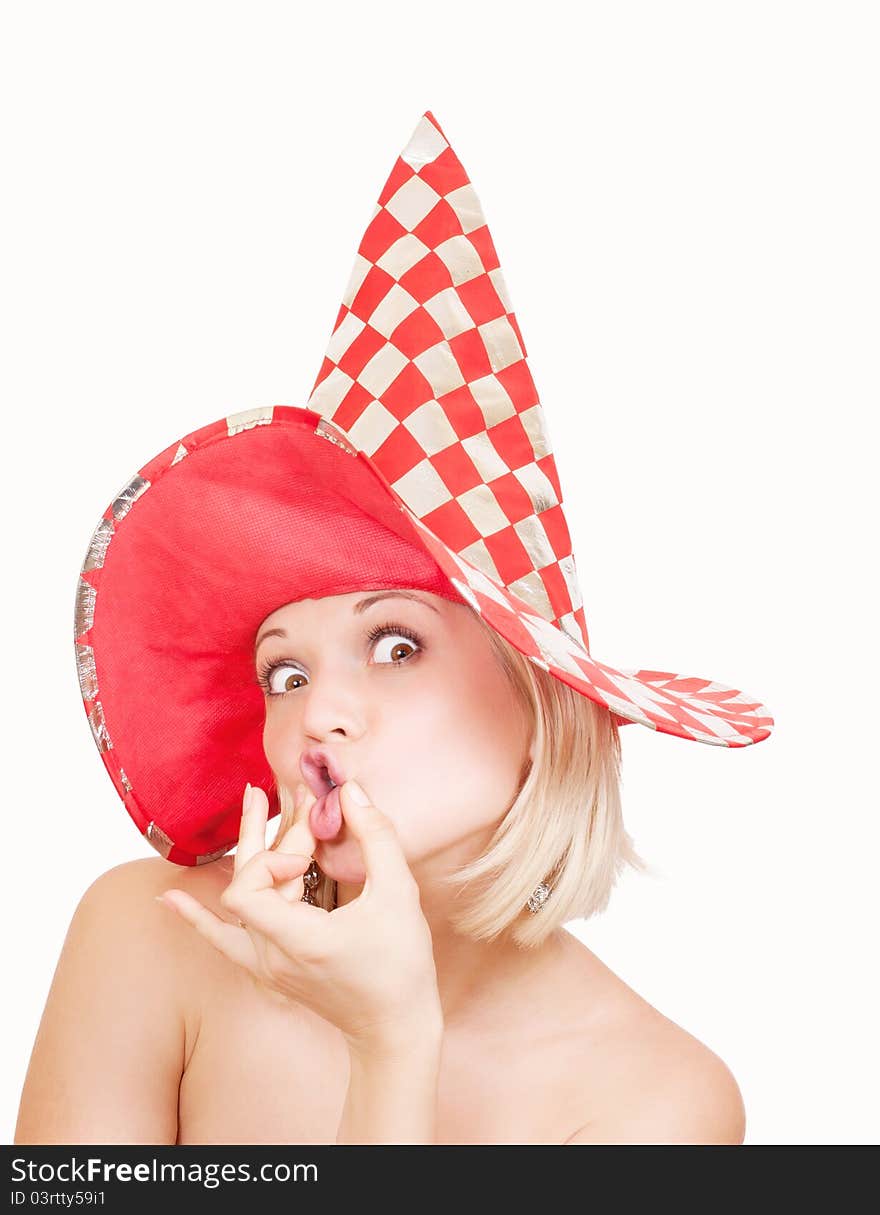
[[396, 631], [403, 637]]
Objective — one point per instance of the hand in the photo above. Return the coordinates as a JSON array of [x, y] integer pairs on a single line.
[[366, 967]]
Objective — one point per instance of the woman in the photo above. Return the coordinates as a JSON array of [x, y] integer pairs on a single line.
[[397, 609], [447, 729]]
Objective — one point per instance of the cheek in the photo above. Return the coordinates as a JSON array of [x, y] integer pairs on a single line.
[[464, 791], [489, 740], [281, 755], [460, 745]]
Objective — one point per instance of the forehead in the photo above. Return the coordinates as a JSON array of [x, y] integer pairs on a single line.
[[344, 607]]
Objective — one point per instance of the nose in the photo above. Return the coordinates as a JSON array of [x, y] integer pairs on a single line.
[[331, 707]]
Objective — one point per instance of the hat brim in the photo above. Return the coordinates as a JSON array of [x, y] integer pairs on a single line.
[[205, 542]]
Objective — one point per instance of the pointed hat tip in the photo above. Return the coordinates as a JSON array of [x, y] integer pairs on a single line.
[[430, 117], [426, 142]]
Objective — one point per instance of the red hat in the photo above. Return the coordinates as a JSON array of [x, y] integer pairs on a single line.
[[421, 460]]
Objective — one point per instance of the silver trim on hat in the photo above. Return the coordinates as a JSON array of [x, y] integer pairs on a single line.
[[207, 857], [84, 609], [85, 669], [128, 495], [101, 537], [246, 419], [163, 844], [99, 728], [328, 430], [160, 841]]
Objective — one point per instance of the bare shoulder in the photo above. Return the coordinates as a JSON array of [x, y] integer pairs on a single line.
[[651, 1081], [152, 874], [677, 1090], [121, 1016], [130, 889]]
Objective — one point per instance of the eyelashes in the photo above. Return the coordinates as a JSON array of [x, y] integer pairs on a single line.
[[266, 668]]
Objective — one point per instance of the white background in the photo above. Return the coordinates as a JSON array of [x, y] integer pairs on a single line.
[[684, 198]]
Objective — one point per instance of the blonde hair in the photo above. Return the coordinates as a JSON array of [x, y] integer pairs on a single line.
[[564, 826]]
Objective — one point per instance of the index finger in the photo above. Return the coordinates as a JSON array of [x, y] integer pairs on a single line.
[[297, 927], [234, 942], [252, 832], [298, 839], [299, 836]]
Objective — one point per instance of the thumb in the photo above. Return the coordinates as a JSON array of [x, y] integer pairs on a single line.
[[298, 839]]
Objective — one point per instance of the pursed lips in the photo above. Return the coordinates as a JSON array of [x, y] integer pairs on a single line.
[[319, 773]]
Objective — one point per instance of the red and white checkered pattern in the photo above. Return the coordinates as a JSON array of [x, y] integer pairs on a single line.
[[426, 376], [425, 383], [426, 373]]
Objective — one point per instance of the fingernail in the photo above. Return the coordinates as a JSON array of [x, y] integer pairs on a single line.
[[357, 794], [248, 797], [160, 899]]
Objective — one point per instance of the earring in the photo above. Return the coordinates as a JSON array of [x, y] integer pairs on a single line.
[[311, 877], [539, 897]]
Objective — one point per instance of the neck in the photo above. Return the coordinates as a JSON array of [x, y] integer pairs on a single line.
[[479, 982]]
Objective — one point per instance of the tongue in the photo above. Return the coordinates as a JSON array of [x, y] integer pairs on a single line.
[[325, 818]]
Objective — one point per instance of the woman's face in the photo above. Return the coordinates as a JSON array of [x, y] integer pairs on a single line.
[[425, 719]]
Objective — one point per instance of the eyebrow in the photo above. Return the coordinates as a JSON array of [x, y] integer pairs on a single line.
[[360, 606]]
